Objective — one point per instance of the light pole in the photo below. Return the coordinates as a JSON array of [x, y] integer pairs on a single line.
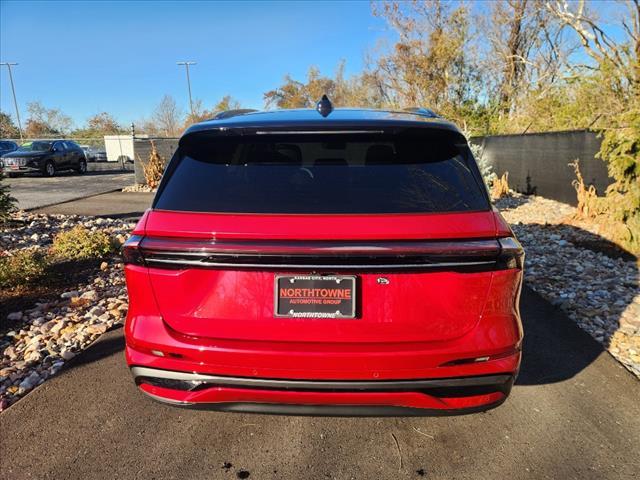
[[186, 64], [13, 90]]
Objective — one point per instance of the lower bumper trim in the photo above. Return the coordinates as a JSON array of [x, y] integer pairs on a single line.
[[192, 380], [325, 410]]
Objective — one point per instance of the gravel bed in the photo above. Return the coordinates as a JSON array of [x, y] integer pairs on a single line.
[[48, 334], [38, 230], [599, 291], [140, 187]]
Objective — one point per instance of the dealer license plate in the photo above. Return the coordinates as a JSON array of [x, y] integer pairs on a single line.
[[315, 296]]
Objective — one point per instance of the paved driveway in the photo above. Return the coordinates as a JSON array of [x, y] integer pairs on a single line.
[[574, 414], [130, 205], [36, 191]]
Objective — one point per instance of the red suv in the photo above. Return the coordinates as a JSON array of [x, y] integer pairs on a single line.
[[343, 262]]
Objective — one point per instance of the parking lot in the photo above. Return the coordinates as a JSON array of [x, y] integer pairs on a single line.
[[34, 191]]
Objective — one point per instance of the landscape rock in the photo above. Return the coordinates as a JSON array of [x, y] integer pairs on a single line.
[[52, 333], [30, 382], [90, 294]]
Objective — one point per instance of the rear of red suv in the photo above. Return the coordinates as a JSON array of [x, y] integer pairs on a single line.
[[347, 264]]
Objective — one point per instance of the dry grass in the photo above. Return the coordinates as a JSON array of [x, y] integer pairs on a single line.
[[599, 212], [154, 167], [587, 196], [500, 187]]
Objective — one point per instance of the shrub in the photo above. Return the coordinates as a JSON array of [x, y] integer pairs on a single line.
[[7, 202], [154, 167], [21, 268], [81, 243], [621, 150], [486, 170], [617, 213], [477, 150]]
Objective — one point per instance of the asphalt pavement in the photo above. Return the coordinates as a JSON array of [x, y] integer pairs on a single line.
[[35, 191], [573, 414], [114, 205]]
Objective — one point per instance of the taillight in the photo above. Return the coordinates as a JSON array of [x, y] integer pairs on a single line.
[[462, 255], [456, 255], [511, 254], [131, 253]]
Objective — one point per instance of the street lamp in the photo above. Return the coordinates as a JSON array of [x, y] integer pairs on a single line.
[[186, 64], [13, 90]]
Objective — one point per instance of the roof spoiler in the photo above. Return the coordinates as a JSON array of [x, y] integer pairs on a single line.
[[425, 112], [232, 113]]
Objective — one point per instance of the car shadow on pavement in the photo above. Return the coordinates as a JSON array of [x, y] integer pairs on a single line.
[[555, 347], [111, 343]]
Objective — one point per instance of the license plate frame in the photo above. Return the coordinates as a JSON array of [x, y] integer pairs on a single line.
[[318, 297]]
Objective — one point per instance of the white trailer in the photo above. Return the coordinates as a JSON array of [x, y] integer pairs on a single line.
[[119, 148]]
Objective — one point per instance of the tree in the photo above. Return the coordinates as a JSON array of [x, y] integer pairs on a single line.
[[619, 56], [358, 90], [612, 81], [525, 49], [43, 122], [296, 94], [167, 119], [226, 103], [432, 63], [103, 122], [8, 129], [201, 114], [97, 126]]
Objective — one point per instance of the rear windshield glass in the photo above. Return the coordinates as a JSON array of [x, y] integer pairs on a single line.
[[314, 174]]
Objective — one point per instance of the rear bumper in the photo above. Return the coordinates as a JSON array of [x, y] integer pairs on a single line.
[[366, 380], [445, 396], [22, 169]]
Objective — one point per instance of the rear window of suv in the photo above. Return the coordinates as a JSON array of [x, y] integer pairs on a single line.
[[322, 174]]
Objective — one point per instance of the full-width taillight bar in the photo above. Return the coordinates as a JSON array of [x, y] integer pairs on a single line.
[[161, 252]]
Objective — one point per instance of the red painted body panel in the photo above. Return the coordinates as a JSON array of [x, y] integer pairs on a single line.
[[399, 399], [232, 304], [222, 321], [322, 227]]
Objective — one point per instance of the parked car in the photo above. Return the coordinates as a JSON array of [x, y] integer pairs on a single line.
[[46, 157], [7, 146], [343, 262], [93, 154]]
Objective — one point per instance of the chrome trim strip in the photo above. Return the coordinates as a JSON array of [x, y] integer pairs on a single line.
[[320, 384]]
